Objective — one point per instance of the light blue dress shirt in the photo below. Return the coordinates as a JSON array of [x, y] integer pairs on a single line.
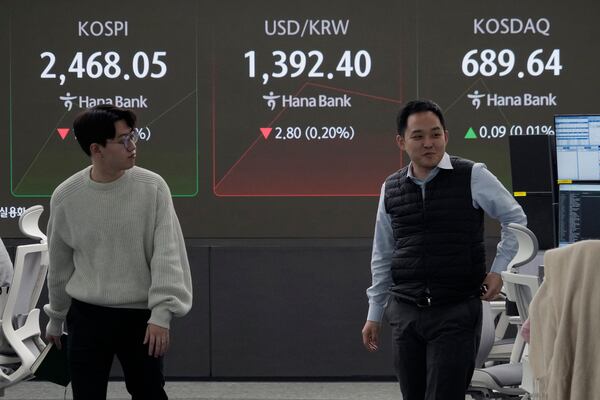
[[488, 194]]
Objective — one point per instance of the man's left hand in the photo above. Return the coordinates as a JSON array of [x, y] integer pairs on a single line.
[[157, 339], [493, 282]]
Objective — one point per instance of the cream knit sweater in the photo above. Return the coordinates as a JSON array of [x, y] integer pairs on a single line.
[[116, 244], [565, 348]]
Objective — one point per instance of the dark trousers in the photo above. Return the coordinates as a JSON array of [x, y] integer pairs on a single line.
[[96, 335], [435, 348]]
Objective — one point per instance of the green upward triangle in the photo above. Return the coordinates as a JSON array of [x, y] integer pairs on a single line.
[[471, 134]]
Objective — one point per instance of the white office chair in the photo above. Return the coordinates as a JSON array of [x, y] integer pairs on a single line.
[[487, 334], [20, 318], [503, 381]]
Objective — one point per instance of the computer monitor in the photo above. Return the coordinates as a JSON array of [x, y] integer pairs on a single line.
[[578, 147], [578, 213]]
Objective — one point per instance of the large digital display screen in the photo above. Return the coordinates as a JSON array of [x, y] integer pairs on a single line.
[[273, 119]]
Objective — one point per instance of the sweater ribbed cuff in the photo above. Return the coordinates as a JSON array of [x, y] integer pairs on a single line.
[[160, 316]]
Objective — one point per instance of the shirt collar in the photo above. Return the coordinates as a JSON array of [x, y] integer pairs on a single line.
[[443, 164]]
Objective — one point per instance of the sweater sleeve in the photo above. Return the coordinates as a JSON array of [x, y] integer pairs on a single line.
[[60, 270], [170, 292], [544, 315]]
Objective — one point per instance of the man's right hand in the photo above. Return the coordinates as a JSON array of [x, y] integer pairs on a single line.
[[370, 335], [55, 340]]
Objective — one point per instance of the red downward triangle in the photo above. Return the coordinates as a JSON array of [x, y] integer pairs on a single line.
[[266, 132], [63, 132]]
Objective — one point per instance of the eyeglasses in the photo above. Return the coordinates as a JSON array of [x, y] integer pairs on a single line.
[[126, 140]]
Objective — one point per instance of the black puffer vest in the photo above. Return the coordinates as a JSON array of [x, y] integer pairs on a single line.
[[439, 248]]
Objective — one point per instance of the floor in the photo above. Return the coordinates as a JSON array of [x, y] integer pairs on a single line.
[[229, 391]]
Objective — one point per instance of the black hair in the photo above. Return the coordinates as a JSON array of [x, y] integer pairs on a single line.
[[97, 124], [414, 107]]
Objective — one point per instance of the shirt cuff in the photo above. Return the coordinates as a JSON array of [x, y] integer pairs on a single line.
[[499, 265], [375, 313], [160, 316]]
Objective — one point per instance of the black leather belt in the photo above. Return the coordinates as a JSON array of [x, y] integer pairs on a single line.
[[428, 301], [421, 302]]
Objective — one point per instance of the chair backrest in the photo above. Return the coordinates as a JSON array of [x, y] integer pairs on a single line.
[[29, 223], [520, 288], [528, 246], [31, 265]]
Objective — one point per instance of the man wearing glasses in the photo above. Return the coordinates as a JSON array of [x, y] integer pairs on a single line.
[[118, 266]]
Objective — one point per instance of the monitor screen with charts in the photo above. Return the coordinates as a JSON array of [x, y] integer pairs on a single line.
[[579, 212], [578, 147]]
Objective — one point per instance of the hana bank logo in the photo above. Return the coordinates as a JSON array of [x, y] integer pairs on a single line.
[[67, 100], [270, 99], [476, 99]]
